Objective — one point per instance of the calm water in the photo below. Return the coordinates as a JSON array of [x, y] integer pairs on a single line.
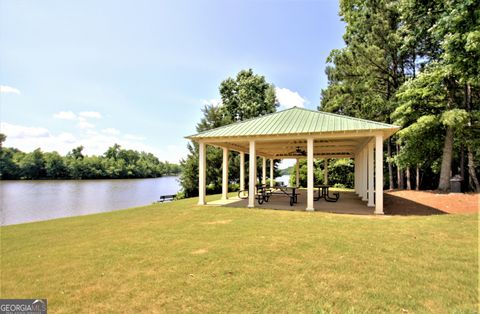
[[27, 201], [285, 179]]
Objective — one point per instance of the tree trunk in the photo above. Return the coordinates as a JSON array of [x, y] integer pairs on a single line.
[[399, 173], [445, 172], [471, 170], [409, 184], [390, 166], [462, 168], [417, 179]]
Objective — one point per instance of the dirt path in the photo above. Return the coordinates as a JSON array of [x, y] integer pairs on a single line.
[[430, 202]]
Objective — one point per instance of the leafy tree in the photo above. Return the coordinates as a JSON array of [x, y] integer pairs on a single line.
[[123, 163], [417, 63], [446, 92], [76, 153], [9, 169], [2, 139], [340, 172], [246, 96], [32, 165], [365, 74], [55, 166], [112, 152]]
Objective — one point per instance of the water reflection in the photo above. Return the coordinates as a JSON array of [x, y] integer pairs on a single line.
[[26, 201]]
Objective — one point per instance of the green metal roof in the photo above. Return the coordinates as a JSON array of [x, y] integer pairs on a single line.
[[294, 121]]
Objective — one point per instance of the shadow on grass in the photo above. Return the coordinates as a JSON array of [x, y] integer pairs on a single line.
[[395, 205]]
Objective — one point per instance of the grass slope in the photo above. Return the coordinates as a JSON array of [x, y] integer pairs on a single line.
[[180, 257]]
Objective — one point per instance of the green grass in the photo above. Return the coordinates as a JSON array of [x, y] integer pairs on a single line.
[[180, 257]]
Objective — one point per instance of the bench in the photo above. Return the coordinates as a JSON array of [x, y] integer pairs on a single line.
[[167, 198]]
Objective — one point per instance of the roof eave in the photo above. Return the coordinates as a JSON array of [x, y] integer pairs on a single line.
[[387, 132]]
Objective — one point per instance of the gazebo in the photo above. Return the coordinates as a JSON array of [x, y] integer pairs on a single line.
[[300, 133]]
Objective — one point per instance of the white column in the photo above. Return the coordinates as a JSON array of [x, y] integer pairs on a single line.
[[242, 171], [201, 173], [271, 173], [225, 174], [325, 173], [379, 175], [370, 187], [359, 173], [310, 175], [365, 173], [297, 174], [360, 169], [355, 173], [252, 174], [264, 170]]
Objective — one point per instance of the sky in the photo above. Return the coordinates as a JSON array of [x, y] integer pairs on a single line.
[[138, 73]]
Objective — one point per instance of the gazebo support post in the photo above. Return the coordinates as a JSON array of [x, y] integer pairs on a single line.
[[225, 174], [201, 173], [242, 171], [271, 173], [264, 170], [379, 174], [370, 188], [252, 174], [365, 173], [325, 174], [310, 175], [355, 173], [358, 164], [359, 179], [297, 174]]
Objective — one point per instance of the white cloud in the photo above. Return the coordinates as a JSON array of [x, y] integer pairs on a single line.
[[67, 138], [111, 131], [90, 114], [82, 124], [18, 131], [82, 119], [95, 143], [288, 99], [9, 90], [65, 115], [134, 137], [212, 102]]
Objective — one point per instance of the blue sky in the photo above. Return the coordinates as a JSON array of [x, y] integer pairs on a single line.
[[138, 73]]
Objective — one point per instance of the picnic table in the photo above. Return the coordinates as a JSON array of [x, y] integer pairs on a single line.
[[323, 192], [264, 192]]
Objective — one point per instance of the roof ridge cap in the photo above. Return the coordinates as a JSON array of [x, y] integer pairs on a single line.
[[353, 118], [240, 122]]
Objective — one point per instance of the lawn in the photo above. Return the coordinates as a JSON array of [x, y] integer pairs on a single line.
[[180, 257]]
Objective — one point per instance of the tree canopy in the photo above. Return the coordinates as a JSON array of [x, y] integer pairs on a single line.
[[246, 96], [415, 63], [116, 163]]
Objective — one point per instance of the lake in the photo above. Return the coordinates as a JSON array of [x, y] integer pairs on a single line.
[[285, 179], [27, 201]]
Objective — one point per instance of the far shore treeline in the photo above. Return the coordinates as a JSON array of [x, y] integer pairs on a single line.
[[115, 163]]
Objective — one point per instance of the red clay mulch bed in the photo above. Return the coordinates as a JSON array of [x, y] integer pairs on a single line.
[[430, 203]]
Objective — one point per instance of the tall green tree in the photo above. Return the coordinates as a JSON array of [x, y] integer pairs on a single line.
[[32, 165], [365, 75], [246, 96], [445, 93], [417, 63]]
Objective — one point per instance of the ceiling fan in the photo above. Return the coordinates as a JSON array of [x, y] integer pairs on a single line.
[[299, 152]]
